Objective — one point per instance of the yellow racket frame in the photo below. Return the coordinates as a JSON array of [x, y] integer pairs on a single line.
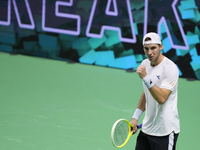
[[129, 132]]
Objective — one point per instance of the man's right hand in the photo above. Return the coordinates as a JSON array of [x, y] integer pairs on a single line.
[[134, 122]]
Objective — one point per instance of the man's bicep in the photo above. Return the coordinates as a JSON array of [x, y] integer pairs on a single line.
[[166, 92]]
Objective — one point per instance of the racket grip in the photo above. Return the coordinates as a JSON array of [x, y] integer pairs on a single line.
[[139, 126]]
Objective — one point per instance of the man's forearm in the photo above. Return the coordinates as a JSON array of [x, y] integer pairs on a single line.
[[142, 102]]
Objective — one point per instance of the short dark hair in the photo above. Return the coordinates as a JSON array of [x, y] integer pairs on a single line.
[[147, 39]]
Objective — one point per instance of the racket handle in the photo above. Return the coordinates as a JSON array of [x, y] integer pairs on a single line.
[[139, 126]]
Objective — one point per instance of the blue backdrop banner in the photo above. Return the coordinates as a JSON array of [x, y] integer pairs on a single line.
[[102, 32]]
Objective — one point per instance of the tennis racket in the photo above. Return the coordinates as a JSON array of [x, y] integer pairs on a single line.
[[121, 132]]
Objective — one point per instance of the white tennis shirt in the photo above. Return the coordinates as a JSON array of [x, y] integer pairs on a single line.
[[161, 120]]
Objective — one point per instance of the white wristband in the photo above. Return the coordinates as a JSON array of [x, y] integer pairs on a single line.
[[138, 112], [148, 82]]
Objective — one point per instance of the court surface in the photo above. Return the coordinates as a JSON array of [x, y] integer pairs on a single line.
[[53, 105]]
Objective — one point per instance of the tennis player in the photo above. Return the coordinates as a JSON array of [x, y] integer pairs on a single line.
[[159, 74]]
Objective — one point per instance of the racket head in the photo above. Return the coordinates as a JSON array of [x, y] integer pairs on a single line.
[[121, 132]]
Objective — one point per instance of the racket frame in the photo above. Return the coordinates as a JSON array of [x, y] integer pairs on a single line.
[[129, 132]]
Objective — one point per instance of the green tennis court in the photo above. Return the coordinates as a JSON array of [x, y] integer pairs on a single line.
[[53, 105]]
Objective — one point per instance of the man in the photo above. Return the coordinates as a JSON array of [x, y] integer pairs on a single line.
[[159, 100]]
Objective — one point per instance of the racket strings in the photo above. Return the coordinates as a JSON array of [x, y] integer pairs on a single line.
[[121, 133]]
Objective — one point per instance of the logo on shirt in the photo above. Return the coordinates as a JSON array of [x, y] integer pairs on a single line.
[[158, 77]]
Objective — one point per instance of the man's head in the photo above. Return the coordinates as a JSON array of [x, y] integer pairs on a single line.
[[152, 48]]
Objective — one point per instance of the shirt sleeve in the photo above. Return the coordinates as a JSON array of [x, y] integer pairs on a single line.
[[170, 79]]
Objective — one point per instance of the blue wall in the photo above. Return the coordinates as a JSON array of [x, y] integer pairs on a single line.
[[102, 32]]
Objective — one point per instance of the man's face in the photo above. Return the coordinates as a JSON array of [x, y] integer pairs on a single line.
[[152, 52]]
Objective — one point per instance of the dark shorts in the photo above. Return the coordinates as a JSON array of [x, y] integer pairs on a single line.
[[148, 142]]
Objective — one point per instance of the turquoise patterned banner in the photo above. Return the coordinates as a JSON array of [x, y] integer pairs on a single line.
[[102, 32]]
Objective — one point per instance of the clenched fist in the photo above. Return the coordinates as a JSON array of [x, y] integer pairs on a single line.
[[141, 71]]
